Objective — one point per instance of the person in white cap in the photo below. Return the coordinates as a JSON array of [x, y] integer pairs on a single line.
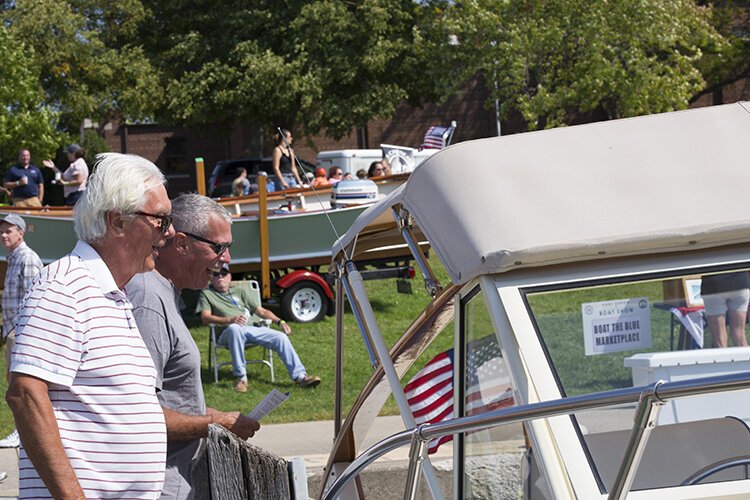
[[23, 266]]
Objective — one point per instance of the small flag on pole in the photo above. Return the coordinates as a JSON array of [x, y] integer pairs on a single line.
[[436, 137]]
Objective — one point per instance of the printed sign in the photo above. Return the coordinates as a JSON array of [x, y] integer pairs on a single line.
[[616, 325], [400, 158]]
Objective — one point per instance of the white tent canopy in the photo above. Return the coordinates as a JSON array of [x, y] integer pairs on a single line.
[[657, 183]]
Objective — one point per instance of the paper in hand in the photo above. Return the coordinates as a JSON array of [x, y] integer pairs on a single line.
[[268, 404]]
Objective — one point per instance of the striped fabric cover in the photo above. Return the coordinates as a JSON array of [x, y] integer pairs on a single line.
[[76, 331]]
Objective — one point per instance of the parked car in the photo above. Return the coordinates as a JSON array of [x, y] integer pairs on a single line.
[[225, 171]]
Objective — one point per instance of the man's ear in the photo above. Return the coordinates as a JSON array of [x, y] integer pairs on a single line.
[[116, 223], [179, 240]]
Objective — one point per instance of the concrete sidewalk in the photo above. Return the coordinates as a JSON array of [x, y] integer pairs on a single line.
[[310, 440], [9, 464]]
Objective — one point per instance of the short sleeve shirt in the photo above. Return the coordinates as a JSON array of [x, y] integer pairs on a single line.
[[76, 331], [32, 173], [178, 368], [77, 167], [226, 305]]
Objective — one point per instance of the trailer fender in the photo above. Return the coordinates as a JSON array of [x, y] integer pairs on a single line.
[[290, 279]]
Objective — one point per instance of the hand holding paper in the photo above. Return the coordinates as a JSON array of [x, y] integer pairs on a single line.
[[268, 404]]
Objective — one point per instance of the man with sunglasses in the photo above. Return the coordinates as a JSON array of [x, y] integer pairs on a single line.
[[82, 381], [232, 308], [198, 248]]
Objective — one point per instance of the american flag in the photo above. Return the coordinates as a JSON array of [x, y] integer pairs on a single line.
[[435, 138], [430, 391]]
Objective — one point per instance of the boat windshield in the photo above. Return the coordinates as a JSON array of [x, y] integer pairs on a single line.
[[491, 457], [604, 336]]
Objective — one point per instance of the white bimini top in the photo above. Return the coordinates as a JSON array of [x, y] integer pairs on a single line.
[[658, 183]]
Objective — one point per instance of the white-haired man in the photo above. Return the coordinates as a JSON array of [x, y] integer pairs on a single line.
[[82, 381], [200, 245]]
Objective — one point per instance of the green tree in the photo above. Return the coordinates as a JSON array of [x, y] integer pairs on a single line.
[[25, 121], [556, 60], [329, 65], [732, 20], [89, 62]]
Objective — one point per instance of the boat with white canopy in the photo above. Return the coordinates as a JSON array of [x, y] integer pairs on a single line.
[[575, 257]]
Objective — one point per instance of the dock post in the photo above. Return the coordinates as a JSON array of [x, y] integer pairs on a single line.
[[200, 176], [265, 265]]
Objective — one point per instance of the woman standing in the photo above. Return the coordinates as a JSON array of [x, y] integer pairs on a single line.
[[74, 178], [284, 162]]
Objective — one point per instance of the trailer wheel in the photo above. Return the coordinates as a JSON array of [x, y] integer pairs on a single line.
[[304, 302]]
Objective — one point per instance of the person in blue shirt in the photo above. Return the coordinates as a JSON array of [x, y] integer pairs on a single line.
[[25, 182]]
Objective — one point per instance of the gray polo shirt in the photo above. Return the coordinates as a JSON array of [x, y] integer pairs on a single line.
[[178, 368]]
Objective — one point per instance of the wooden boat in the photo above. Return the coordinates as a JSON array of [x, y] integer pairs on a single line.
[[566, 251], [297, 234], [286, 234]]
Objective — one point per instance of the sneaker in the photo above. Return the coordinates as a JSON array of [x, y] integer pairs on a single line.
[[3, 475], [11, 441], [307, 381], [241, 386]]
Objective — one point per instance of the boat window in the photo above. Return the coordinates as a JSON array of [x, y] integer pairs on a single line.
[[606, 336], [490, 457]]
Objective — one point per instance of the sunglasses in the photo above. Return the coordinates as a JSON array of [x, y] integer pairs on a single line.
[[218, 248], [223, 272], [165, 220]]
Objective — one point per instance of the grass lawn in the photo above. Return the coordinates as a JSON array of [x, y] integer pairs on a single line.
[[558, 315], [314, 343]]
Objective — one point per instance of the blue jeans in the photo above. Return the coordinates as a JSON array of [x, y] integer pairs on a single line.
[[234, 337], [289, 178]]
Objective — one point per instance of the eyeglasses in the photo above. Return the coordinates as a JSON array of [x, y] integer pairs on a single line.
[[338, 173], [218, 248], [165, 220], [223, 272]]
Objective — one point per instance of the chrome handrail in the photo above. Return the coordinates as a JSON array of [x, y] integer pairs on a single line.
[[661, 391]]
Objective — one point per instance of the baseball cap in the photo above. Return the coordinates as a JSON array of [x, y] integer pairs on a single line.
[[73, 149], [16, 220]]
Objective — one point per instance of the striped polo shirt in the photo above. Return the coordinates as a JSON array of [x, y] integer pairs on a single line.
[[76, 331]]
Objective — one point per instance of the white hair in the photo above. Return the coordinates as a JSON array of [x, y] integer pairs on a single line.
[[119, 183], [191, 213]]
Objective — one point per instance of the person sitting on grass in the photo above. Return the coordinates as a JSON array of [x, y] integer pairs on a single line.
[[232, 308]]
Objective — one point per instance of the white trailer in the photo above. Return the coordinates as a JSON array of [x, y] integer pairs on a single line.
[[351, 160]]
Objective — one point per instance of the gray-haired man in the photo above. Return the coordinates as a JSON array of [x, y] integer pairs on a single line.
[[199, 247]]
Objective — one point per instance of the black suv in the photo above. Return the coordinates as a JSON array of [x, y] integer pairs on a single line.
[[225, 171]]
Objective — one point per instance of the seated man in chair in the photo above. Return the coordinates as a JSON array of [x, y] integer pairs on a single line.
[[221, 306]]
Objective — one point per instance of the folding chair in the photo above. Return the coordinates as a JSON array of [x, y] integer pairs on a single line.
[[213, 346]]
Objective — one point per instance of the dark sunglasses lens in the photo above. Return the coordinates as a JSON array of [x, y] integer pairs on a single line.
[[166, 221]]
